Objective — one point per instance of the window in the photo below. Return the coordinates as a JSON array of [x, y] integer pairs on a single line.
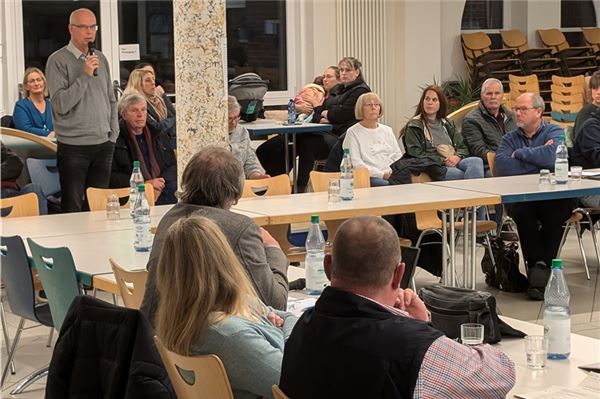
[[577, 13], [45, 27], [482, 14]]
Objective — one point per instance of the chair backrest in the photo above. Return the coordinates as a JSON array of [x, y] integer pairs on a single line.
[[278, 393], [477, 42], [523, 80], [514, 39], [554, 39], [458, 115], [276, 185], [17, 278], [566, 108], [56, 269], [195, 377], [45, 173], [42, 141], [491, 158], [570, 81], [410, 257], [320, 180], [517, 89], [132, 284], [97, 196], [21, 205], [424, 219], [563, 99], [592, 37]]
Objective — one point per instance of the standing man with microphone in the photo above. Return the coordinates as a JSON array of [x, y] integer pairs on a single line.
[[84, 111]]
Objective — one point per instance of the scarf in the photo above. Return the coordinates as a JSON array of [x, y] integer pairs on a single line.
[[154, 169], [159, 106]]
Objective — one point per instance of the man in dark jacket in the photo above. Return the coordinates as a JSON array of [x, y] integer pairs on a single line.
[[138, 141], [483, 127], [367, 338], [586, 151]]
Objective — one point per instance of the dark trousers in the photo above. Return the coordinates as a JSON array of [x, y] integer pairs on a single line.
[[82, 166], [540, 226], [309, 148]]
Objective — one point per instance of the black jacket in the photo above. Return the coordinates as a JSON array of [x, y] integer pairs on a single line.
[[167, 125], [12, 165], [124, 156], [586, 148], [105, 351], [340, 105]]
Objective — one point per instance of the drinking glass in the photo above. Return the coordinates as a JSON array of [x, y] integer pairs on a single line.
[[544, 176], [576, 172], [333, 191], [471, 333], [113, 208], [536, 350]]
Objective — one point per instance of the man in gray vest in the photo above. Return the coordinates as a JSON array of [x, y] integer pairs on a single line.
[[84, 111]]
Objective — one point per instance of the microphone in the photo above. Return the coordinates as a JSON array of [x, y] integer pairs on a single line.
[[91, 49]]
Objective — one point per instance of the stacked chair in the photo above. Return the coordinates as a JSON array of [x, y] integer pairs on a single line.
[[527, 84], [483, 62], [536, 61], [573, 60], [592, 38], [567, 99]]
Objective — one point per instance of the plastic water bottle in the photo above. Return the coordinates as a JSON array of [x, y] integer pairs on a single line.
[[561, 165], [557, 314], [141, 221], [291, 112], [135, 179], [316, 280], [346, 177]]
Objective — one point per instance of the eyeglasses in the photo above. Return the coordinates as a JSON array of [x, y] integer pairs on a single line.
[[522, 109], [372, 105], [86, 27], [234, 118], [36, 80]]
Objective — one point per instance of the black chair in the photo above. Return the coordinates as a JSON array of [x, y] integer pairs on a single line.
[[20, 292]]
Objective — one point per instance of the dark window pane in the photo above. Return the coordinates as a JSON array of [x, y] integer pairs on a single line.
[[577, 13], [482, 14], [256, 40], [45, 27]]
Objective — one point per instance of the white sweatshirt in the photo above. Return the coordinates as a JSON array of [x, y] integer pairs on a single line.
[[374, 149]]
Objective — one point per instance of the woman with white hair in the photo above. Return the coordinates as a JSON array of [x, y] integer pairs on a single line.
[[371, 144]]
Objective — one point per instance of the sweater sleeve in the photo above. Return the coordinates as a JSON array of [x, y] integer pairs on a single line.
[[541, 156], [23, 120], [252, 164], [506, 165]]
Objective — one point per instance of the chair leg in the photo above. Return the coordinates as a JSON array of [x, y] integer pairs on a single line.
[[489, 249], [13, 349], [49, 343], [115, 299], [595, 240], [30, 379], [582, 250], [6, 337]]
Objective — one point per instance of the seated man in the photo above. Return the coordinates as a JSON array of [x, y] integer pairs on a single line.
[[526, 150], [585, 113], [586, 149], [367, 338], [239, 140], [11, 169], [212, 183], [484, 126], [138, 141]]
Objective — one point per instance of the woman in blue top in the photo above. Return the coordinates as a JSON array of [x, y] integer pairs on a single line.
[[33, 114], [207, 305]]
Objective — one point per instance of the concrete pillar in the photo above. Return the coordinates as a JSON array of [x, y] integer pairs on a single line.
[[200, 74]]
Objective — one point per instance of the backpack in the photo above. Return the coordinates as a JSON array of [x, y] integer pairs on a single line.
[[505, 275], [249, 89]]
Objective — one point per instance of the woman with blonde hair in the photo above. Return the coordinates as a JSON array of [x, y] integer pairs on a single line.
[[161, 113], [311, 96], [207, 305], [33, 113]]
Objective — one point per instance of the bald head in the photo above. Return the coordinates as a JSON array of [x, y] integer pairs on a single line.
[[365, 253]]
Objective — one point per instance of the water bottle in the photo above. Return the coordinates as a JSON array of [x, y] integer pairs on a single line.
[[135, 179], [141, 221], [346, 177], [316, 280], [557, 314], [291, 112], [561, 165]]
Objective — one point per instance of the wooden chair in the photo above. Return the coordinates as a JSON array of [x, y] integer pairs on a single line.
[[483, 62], [278, 393], [207, 374], [458, 115], [574, 60], [522, 84], [19, 206], [536, 61], [571, 81], [576, 98], [592, 38], [97, 196], [132, 284]]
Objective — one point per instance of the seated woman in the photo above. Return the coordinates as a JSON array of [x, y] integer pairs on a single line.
[[33, 113], [337, 110], [207, 305], [432, 138], [161, 113], [372, 145], [138, 141]]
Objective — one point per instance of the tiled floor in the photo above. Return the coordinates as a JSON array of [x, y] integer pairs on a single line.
[[33, 354]]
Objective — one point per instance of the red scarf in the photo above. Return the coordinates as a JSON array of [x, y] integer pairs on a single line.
[[154, 169]]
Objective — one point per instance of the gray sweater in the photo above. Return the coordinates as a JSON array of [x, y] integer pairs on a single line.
[[84, 108], [239, 140], [251, 352]]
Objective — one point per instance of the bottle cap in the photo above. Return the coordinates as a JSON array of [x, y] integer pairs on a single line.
[[557, 264], [562, 137], [141, 188], [136, 164], [346, 150], [314, 219]]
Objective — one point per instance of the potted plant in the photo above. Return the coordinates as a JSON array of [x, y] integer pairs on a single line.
[[459, 93]]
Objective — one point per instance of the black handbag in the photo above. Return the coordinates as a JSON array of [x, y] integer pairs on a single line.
[[451, 306]]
